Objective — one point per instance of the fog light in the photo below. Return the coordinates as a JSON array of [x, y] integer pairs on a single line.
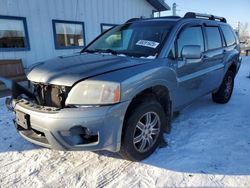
[[77, 130], [79, 135]]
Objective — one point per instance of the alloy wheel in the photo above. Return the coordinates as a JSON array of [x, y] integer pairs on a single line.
[[229, 87], [147, 131]]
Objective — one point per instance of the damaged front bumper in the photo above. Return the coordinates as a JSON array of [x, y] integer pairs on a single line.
[[90, 128]]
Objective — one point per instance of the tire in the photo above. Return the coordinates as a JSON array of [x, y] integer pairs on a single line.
[[223, 95], [139, 131]]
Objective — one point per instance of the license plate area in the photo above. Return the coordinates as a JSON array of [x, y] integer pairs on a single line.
[[23, 120]]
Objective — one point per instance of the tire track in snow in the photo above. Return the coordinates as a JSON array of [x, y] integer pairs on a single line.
[[60, 181], [10, 163], [107, 176], [145, 181], [9, 171]]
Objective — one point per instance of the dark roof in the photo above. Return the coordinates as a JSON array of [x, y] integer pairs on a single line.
[[159, 5]]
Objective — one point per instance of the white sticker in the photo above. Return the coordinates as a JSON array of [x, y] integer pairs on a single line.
[[80, 42], [147, 43], [71, 41]]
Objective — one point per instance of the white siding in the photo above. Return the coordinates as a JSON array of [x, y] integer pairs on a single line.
[[39, 15]]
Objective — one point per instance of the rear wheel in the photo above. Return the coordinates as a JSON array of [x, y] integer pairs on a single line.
[[225, 91], [143, 130]]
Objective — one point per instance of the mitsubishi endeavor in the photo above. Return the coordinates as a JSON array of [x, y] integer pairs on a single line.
[[120, 91]]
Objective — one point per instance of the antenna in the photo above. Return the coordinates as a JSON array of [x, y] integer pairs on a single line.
[[174, 9], [76, 19]]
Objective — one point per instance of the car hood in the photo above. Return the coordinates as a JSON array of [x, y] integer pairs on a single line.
[[67, 70]]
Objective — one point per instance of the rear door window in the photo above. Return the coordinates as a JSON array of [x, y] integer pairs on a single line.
[[190, 36], [229, 35], [213, 38]]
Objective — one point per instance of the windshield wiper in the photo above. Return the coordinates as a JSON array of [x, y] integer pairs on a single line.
[[101, 51], [107, 51], [89, 51]]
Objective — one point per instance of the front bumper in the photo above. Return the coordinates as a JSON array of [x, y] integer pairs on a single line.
[[92, 128]]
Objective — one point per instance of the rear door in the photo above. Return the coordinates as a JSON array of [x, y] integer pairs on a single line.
[[213, 66]]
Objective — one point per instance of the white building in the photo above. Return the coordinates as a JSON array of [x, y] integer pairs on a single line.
[[36, 30]]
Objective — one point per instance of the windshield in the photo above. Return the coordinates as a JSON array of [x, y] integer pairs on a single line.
[[139, 39]]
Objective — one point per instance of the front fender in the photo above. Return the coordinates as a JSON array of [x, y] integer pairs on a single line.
[[160, 76]]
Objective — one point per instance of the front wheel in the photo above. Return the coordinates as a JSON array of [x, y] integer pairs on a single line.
[[225, 91], [143, 130]]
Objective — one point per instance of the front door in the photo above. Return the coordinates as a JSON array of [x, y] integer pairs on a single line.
[[189, 71]]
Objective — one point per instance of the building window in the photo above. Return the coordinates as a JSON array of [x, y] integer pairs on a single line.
[[13, 34], [68, 34], [105, 27]]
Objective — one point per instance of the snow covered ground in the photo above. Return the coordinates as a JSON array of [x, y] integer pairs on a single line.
[[209, 146]]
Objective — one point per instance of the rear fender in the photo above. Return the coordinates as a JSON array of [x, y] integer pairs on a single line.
[[232, 58]]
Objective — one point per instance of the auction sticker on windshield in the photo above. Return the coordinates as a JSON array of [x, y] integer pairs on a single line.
[[147, 43]]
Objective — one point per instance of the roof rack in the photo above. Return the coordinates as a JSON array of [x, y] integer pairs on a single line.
[[133, 19], [142, 18], [208, 16], [173, 17]]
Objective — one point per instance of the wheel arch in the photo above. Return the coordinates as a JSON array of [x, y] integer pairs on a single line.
[[232, 62], [233, 68], [159, 92]]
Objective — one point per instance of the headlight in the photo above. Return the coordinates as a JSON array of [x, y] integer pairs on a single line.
[[94, 93]]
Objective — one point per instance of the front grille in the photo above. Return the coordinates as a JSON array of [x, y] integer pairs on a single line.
[[35, 136], [51, 95]]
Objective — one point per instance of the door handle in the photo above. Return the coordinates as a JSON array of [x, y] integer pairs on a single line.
[[205, 57]]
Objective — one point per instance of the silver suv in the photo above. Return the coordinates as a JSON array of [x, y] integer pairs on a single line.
[[119, 93]]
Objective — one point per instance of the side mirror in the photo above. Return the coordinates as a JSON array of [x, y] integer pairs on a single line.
[[191, 52]]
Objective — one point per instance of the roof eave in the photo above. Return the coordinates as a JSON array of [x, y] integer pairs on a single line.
[[159, 5]]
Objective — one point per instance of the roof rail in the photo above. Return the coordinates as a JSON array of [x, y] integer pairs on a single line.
[[155, 18], [173, 17], [208, 16], [133, 19]]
